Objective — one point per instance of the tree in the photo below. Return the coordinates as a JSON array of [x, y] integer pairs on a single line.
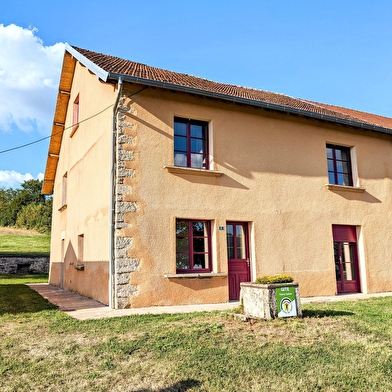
[[6, 197], [26, 207]]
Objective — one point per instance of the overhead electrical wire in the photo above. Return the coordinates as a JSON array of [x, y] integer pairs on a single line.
[[71, 126], [49, 136]]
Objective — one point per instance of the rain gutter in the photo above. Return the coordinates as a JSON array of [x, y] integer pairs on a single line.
[[113, 193], [250, 102], [107, 76]]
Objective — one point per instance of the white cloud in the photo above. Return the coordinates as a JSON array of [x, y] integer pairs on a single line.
[[29, 74], [12, 179]]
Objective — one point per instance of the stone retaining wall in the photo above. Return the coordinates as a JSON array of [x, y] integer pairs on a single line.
[[24, 265]]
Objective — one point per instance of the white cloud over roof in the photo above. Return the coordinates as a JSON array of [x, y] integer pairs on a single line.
[[29, 73]]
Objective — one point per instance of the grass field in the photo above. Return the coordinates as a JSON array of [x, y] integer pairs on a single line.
[[341, 346], [15, 242]]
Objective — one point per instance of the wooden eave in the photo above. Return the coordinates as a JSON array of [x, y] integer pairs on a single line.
[[63, 95]]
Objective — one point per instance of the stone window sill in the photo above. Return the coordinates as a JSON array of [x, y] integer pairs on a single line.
[[196, 275], [192, 171], [333, 187]]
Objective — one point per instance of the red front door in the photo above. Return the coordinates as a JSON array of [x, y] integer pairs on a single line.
[[238, 257], [346, 259]]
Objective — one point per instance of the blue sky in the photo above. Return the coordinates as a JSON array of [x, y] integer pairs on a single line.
[[336, 52]]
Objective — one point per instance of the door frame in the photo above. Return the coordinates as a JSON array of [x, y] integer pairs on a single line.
[[347, 234], [237, 278]]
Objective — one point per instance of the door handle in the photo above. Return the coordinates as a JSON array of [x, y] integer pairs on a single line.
[[247, 261]]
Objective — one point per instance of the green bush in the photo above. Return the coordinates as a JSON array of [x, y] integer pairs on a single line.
[[36, 217], [272, 279], [26, 207]]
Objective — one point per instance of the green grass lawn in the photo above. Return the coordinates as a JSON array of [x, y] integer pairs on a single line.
[[342, 346], [15, 242]]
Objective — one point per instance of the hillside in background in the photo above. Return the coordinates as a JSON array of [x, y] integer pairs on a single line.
[[15, 241]]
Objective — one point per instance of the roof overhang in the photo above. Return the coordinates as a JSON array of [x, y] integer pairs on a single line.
[[60, 113], [101, 73], [71, 55], [250, 102]]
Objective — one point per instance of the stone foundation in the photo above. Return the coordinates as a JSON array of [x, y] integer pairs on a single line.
[[24, 265]]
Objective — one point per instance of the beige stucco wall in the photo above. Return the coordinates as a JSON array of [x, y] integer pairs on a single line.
[[274, 175], [85, 158], [275, 172]]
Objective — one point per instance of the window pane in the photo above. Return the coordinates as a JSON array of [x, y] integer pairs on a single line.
[[182, 244], [337, 273], [199, 229], [180, 128], [345, 167], [182, 228], [346, 180], [180, 159], [196, 130], [200, 261], [338, 153], [331, 178], [330, 165], [329, 153], [230, 241], [182, 261], [180, 143], [197, 161], [240, 240], [340, 179], [344, 154], [197, 145], [352, 269], [337, 263], [200, 245]]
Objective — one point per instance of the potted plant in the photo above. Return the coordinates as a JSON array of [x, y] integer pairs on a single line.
[[271, 296]]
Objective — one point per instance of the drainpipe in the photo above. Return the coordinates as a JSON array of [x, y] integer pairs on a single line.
[[113, 193]]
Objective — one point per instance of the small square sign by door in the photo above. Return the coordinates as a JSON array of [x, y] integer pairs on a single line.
[[285, 298]]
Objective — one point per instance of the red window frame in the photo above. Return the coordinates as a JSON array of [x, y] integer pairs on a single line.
[[191, 143], [75, 119], [188, 247], [339, 165]]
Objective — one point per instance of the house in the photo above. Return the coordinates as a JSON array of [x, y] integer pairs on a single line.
[[170, 189]]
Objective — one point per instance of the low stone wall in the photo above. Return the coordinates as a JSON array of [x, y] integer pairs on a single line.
[[24, 265]]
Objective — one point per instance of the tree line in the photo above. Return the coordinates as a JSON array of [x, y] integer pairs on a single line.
[[26, 207]]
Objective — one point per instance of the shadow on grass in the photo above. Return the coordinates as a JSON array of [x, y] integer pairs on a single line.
[[315, 313], [179, 386], [19, 298]]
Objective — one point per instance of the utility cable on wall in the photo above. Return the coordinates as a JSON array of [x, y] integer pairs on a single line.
[[49, 136], [71, 126]]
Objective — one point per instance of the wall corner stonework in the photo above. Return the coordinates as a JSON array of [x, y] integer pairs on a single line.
[[125, 157]]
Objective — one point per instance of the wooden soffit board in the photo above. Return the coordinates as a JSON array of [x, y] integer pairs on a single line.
[[67, 73]]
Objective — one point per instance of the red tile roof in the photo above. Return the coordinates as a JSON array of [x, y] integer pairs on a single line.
[[115, 67]]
